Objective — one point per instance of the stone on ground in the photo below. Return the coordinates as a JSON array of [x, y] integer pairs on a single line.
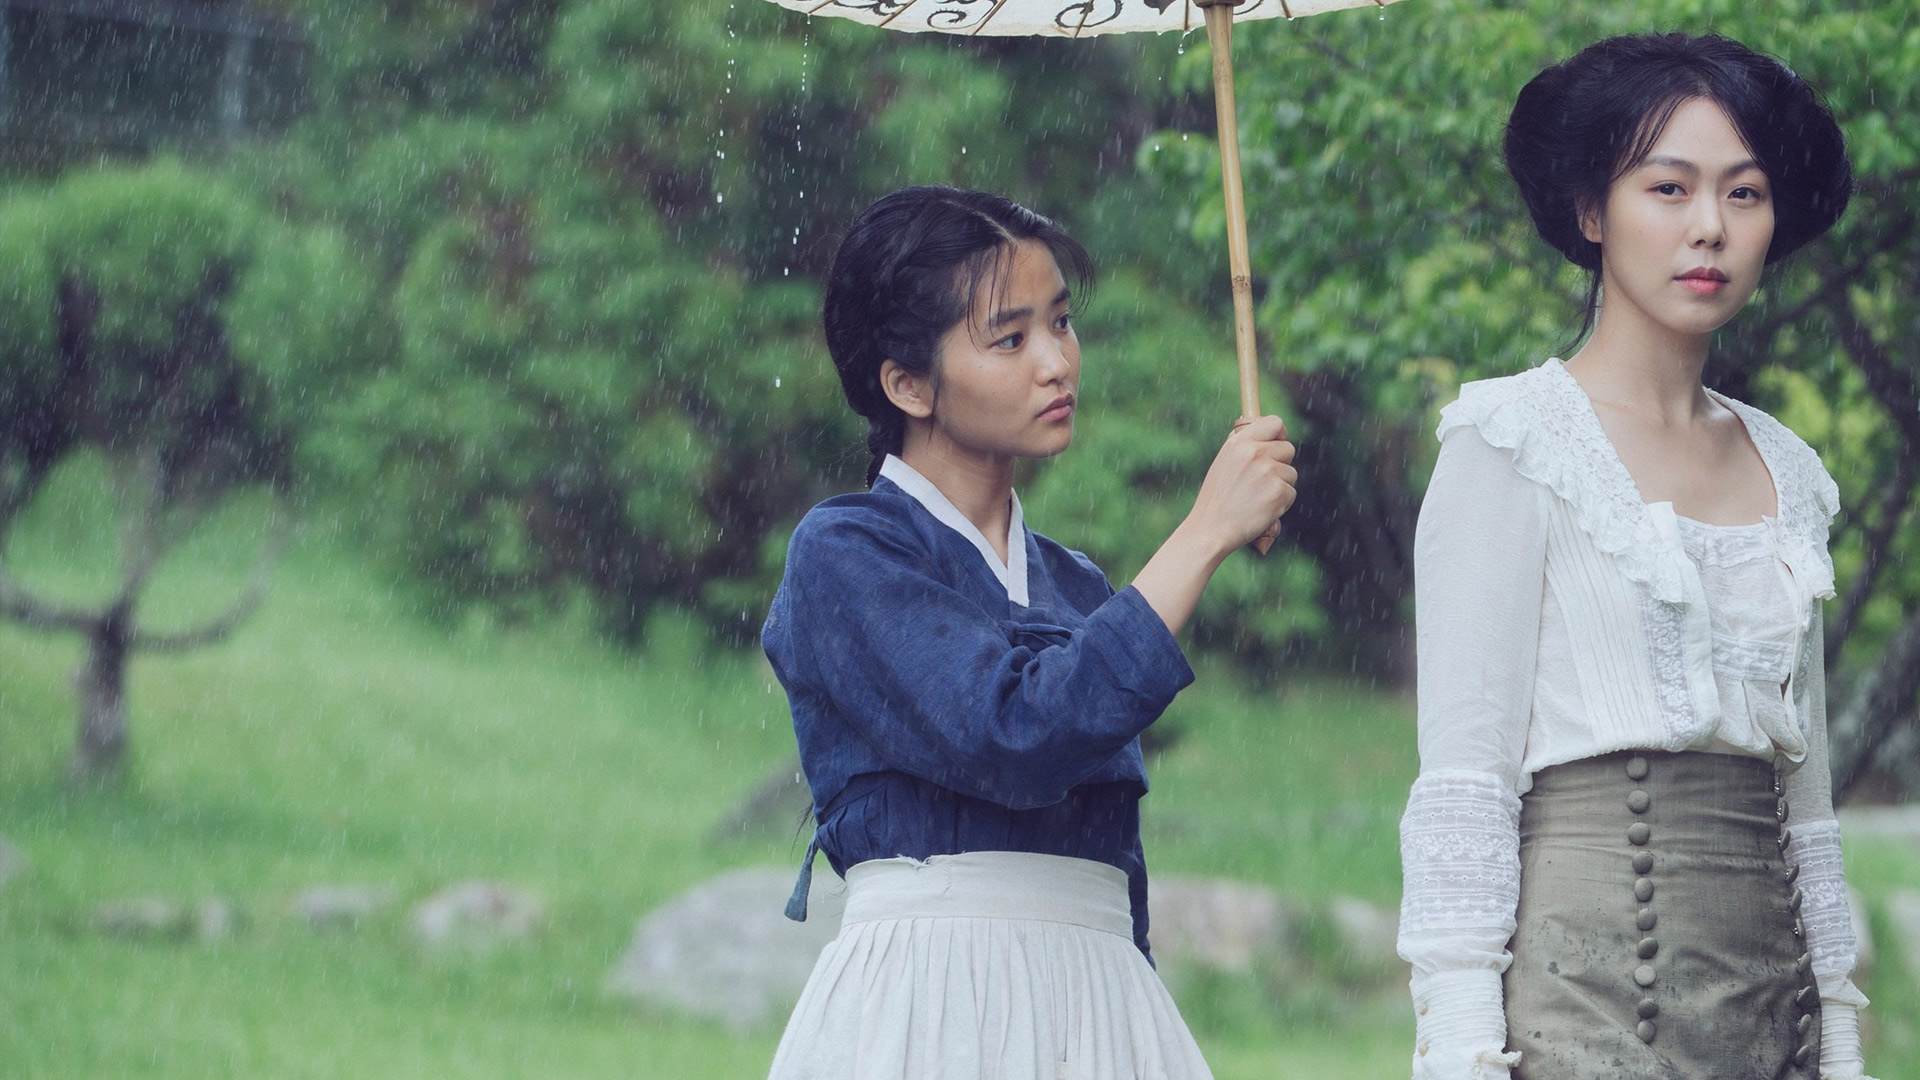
[[725, 951], [477, 914]]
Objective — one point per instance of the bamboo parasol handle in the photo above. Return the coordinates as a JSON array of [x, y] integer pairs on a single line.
[[1220, 41], [1220, 38]]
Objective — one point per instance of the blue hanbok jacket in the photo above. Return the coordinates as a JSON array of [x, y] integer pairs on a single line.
[[937, 716]]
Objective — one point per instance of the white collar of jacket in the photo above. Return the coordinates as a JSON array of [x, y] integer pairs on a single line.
[[1547, 422], [1012, 573]]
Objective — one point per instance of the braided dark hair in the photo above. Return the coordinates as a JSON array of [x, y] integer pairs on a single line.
[[906, 273]]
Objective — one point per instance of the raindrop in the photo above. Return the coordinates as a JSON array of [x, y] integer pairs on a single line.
[[963, 150], [776, 382]]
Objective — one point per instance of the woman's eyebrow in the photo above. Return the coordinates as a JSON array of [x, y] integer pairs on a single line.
[[1671, 162], [1020, 314]]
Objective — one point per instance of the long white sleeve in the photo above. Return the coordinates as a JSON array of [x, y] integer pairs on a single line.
[[1815, 851], [1479, 558]]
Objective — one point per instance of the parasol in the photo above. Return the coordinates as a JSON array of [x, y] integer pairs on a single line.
[[1082, 18]]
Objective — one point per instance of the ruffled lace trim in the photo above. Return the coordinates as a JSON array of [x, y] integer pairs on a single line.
[[1460, 850], [1547, 422], [1815, 849], [1725, 546], [1809, 498]]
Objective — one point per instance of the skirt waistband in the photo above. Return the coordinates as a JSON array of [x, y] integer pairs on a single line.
[[1692, 800], [991, 885]]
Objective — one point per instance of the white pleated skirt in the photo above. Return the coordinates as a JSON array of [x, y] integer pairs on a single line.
[[991, 965]]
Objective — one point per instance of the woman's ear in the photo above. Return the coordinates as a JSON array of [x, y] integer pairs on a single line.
[[911, 394], [1590, 222]]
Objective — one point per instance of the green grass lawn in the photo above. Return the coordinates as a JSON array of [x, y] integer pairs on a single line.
[[340, 738]]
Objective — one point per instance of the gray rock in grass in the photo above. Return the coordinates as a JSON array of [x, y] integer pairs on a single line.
[[156, 919], [1368, 935], [340, 907], [477, 915], [216, 919], [725, 951], [148, 918], [1216, 924]]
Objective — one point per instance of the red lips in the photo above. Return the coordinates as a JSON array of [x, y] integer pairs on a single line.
[[1059, 408], [1703, 281]]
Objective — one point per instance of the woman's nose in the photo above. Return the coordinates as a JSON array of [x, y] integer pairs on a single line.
[[1709, 227], [1054, 365]]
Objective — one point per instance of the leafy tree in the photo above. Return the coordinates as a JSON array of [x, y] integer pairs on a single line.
[[607, 378], [157, 320]]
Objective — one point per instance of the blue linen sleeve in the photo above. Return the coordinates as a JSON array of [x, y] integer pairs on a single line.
[[870, 642]]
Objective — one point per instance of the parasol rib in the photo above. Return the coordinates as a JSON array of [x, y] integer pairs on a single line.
[[902, 10], [998, 4]]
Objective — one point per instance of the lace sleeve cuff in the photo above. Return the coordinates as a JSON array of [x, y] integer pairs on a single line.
[[1460, 1026], [1460, 852], [1840, 1057], [1815, 849]]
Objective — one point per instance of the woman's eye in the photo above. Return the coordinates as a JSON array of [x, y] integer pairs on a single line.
[[1011, 341], [1668, 188], [1746, 193], [1065, 320]]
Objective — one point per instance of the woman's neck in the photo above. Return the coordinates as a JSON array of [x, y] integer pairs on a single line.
[[1644, 371], [980, 487]]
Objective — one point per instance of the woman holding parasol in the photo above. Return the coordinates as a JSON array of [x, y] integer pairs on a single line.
[[1621, 854], [968, 694]]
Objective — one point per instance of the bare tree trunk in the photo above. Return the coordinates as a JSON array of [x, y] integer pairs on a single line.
[[100, 750], [1363, 538], [1883, 701]]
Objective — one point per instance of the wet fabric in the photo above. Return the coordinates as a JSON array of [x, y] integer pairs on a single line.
[[935, 715], [1659, 943], [988, 966]]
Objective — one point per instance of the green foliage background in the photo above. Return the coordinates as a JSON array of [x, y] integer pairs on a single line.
[[583, 240], [527, 306]]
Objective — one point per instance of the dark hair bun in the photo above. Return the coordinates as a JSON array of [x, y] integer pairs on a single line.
[[1579, 125]]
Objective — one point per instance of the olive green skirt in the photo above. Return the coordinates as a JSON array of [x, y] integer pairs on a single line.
[[1658, 932]]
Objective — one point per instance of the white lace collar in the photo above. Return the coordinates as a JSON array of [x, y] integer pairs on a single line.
[[1012, 573], [1547, 422]]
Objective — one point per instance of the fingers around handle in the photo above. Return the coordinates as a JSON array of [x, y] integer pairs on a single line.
[[1273, 430]]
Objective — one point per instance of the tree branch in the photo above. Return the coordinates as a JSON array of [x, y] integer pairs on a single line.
[[1893, 385], [245, 605], [1895, 498], [21, 606], [1885, 698], [1834, 283]]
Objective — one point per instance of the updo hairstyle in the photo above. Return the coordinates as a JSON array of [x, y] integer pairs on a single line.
[[908, 271], [1582, 124]]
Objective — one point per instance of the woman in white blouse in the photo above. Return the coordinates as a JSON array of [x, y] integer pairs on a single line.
[[1621, 856]]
